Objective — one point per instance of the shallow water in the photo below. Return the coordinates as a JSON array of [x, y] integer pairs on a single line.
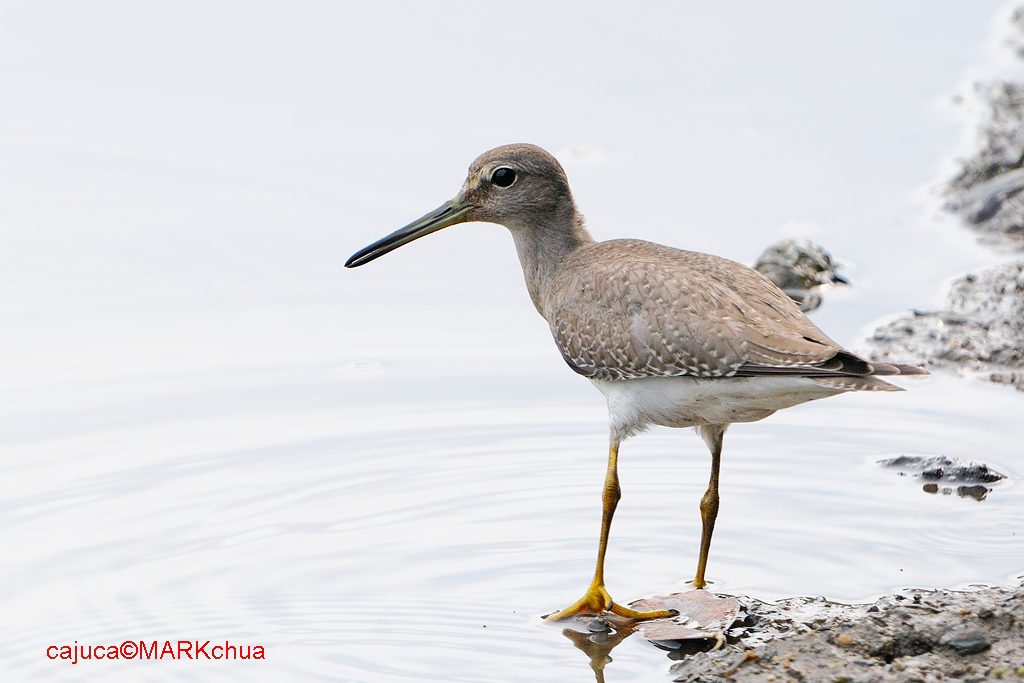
[[211, 431], [305, 509]]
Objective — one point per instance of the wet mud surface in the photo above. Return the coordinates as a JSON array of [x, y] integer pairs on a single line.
[[908, 637]]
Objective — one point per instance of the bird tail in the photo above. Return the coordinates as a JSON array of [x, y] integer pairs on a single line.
[[855, 383], [871, 382], [896, 369]]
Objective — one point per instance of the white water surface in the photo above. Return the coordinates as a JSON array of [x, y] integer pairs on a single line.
[[210, 430]]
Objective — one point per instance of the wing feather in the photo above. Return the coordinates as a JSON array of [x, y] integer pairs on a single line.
[[627, 309]]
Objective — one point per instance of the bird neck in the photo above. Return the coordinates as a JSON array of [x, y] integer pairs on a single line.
[[543, 248]]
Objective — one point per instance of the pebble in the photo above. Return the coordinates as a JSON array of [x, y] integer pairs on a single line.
[[965, 640]]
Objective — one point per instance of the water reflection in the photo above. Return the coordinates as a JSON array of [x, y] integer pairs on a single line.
[[598, 638], [597, 646], [702, 623]]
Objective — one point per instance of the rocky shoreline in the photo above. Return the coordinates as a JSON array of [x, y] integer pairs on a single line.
[[914, 636], [980, 329]]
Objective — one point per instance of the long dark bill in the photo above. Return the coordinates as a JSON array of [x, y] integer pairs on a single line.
[[450, 213]]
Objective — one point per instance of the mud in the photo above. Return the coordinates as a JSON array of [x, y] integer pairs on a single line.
[[912, 636]]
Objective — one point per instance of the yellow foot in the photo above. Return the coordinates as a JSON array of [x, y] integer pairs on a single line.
[[597, 601]]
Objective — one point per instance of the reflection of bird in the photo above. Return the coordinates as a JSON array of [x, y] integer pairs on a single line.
[[674, 338], [800, 268]]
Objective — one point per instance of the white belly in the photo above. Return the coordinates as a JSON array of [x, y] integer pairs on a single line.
[[635, 404]]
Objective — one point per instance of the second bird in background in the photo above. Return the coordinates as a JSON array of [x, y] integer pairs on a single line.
[[801, 269]]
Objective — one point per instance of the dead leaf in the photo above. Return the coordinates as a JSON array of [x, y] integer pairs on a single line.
[[701, 615]]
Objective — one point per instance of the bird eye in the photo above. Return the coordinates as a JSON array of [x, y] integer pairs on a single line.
[[503, 177]]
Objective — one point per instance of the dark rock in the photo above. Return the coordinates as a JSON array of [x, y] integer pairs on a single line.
[[971, 473], [976, 492], [952, 470], [965, 640], [906, 643], [986, 191]]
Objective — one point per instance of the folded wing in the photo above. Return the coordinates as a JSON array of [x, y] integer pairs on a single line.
[[628, 309]]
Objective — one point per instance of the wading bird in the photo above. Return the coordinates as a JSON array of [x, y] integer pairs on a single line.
[[670, 337]]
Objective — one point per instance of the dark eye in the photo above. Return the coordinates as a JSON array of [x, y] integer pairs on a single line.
[[503, 177]]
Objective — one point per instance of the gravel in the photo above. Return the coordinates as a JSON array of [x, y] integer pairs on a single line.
[[907, 637]]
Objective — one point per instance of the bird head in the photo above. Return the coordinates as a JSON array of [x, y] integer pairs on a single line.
[[519, 186]]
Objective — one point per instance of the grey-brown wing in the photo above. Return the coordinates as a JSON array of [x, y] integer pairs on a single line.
[[629, 309]]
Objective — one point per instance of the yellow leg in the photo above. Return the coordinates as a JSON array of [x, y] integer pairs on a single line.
[[709, 503], [597, 599]]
